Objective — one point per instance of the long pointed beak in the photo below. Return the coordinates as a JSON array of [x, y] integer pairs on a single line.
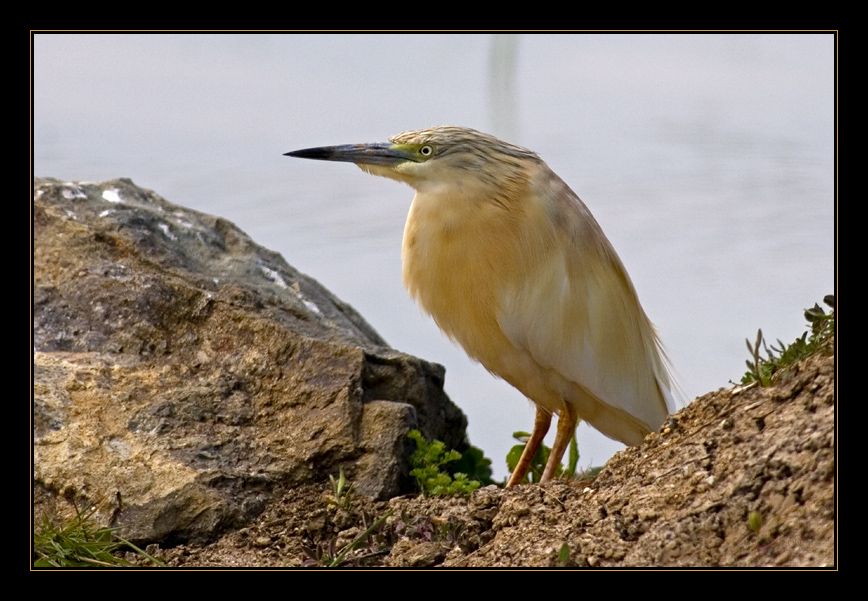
[[368, 154]]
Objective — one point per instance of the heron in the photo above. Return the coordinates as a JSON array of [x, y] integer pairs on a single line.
[[512, 266]]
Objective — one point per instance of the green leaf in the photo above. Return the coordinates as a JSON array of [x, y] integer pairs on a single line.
[[573, 461], [513, 456], [564, 555], [428, 465], [475, 464], [754, 521]]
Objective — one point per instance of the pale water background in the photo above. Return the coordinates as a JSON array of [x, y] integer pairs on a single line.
[[707, 159]]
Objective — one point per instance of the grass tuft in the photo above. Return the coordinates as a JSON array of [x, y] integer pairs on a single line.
[[79, 543], [763, 369]]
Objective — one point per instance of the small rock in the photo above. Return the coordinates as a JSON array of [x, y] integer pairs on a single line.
[[347, 536], [647, 514], [426, 553]]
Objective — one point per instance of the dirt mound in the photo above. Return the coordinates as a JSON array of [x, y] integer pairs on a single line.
[[738, 478], [210, 389]]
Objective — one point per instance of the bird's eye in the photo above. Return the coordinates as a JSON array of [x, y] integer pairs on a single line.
[[426, 151]]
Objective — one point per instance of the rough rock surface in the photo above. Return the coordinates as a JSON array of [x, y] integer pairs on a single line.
[[738, 478], [184, 373]]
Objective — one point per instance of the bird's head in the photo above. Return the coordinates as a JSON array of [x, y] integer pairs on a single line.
[[434, 158]]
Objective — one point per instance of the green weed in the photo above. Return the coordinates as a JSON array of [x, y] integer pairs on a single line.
[[337, 559], [429, 466], [762, 369], [754, 521], [564, 555], [342, 490], [80, 543]]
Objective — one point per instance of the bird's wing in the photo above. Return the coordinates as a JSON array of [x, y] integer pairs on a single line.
[[577, 314]]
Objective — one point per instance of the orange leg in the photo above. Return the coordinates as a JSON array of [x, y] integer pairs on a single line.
[[567, 420], [540, 427]]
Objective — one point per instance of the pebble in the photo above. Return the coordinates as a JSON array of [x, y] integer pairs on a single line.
[[262, 541], [646, 514]]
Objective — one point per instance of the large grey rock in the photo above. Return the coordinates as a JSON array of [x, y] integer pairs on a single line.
[[183, 373]]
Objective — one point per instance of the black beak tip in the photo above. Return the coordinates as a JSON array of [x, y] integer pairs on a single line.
[[322, 153]]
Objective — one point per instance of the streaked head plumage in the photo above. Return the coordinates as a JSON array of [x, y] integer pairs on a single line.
[[451, 139]]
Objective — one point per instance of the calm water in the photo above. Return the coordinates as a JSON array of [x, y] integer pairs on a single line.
[[708, 160]]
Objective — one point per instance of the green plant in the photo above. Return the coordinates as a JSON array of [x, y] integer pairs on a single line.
[[538, 463], [475, 464], [428, 465], [80, 543], [754, 521], [564, 555], [333, 561], [368, 544], [342, 490], [762, 369]]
